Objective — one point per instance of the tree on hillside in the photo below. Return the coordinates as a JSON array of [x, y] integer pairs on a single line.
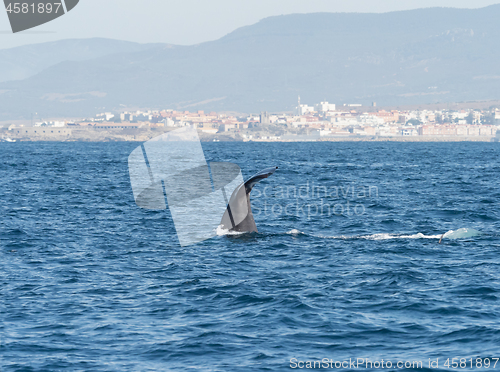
[[414, 122]]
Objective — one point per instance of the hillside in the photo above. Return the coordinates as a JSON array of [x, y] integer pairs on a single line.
[[26, 61]]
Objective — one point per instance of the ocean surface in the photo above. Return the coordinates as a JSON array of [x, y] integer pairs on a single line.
[[347, 262]]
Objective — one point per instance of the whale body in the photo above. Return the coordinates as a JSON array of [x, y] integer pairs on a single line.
[[238, 215]]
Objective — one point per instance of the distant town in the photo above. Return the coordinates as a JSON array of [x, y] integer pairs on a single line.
[[320, 122]]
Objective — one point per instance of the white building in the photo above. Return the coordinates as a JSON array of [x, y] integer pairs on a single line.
[[324, 107], [406, 132], [344, 121], [57, 124], [303, 110], [370, 119], [169, 122]]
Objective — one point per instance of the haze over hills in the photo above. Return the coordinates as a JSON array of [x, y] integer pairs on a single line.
[[26, 61], [409, 57]]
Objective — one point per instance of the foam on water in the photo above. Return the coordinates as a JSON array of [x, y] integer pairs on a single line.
[[393, 236], [385, 236], [462, 233], [452, 234], [223, 232]]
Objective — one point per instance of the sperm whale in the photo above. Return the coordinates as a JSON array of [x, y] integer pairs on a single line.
[[238, 215]]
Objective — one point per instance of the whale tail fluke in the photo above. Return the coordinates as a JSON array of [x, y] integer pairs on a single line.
[[238, 215]]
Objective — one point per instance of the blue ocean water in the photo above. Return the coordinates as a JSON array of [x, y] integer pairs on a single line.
[[347, 262]]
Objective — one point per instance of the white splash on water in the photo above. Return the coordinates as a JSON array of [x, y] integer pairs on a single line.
[[462, 233], [393, 236], [452, 234], [220, 231]]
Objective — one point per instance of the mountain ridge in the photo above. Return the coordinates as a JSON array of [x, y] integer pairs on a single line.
[[25, 61]]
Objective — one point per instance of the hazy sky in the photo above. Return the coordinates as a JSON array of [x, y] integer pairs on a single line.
[[191, 21]]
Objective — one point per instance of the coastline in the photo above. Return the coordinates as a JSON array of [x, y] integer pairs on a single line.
[[75, 136]]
